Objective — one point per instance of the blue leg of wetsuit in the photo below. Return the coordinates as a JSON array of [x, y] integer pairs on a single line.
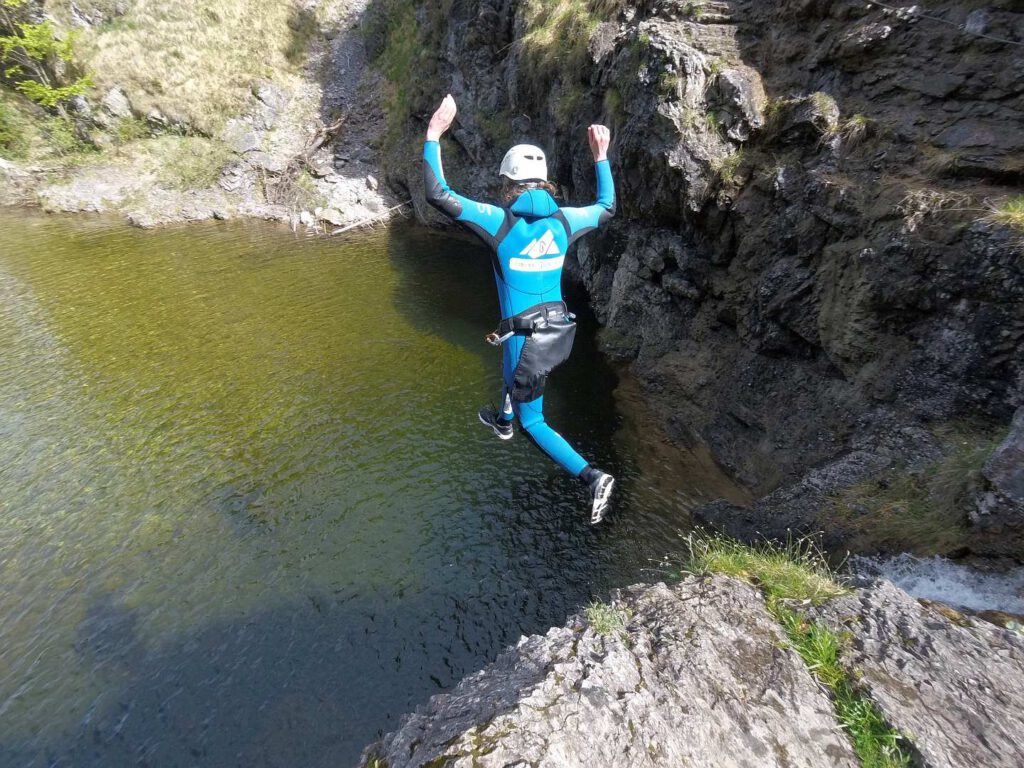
[[531, 416]]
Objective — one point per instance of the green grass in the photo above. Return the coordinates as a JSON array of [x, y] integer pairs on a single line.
[[554, 47], [605, 619], [923, 512], [875, 742], [798, 573], [189, 162], [194, 60], [725, 167], [130, 129], [1009, 212]]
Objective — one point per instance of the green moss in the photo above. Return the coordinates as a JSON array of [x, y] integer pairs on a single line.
[[14, 140], [497, 126], [405, 57], [554, 46], [613, 106]]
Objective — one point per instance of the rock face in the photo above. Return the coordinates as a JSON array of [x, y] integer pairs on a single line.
[[1001, 505], [955, 689], [789, 256], [700, 676]]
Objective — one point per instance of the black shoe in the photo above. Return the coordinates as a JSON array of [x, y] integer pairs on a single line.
[[492, 419], [601, 492]]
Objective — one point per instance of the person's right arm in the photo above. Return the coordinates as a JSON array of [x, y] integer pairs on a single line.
[[482, 218]]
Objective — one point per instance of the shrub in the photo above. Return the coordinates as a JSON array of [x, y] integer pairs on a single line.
[[31, 52]]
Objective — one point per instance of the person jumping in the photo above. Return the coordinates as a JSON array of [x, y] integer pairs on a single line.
[[529, 237]]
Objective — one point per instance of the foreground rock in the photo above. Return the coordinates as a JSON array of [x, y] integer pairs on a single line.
[[954, 688], [700, 677]]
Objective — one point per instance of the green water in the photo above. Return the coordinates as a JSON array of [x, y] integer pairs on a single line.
[[247, 514]]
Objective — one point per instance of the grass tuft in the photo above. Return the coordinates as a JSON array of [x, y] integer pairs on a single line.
[[1008, 212], [605, 619], [725, 167], [796, 571]]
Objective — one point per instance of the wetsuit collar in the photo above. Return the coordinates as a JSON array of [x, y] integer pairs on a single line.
[[535, 203]]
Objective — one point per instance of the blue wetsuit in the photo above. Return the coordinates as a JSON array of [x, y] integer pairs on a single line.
[[529, 240]]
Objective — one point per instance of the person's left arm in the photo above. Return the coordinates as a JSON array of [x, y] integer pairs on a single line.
[[588, 218]]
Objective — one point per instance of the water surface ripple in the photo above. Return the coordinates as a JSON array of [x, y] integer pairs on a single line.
[[247, 515]]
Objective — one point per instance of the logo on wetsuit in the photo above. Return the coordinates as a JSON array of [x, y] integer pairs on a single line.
[[544, 245]]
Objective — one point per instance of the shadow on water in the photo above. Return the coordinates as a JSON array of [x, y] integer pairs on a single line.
[[240, 693]]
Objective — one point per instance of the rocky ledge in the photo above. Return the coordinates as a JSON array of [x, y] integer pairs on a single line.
[[700, 673]]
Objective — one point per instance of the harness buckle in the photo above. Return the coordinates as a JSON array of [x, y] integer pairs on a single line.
[[495, 340]]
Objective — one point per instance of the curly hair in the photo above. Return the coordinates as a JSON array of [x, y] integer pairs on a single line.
[[510, 190]]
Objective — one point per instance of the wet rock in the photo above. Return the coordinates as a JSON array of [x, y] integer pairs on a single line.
[[116, 102], [700, 676], [372, 183], [955, 688]]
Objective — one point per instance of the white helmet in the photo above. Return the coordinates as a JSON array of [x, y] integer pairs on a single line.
[[524, 162]]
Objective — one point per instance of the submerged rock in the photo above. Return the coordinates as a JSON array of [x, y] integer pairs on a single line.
[[700, 675]]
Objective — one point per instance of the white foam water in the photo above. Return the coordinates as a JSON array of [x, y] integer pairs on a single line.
[[948, 582]]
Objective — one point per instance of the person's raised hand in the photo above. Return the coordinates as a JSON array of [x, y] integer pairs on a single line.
[[442, 119], [599, 138]]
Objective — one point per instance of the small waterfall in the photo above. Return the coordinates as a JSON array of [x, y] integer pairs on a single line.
[[943, 580]]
